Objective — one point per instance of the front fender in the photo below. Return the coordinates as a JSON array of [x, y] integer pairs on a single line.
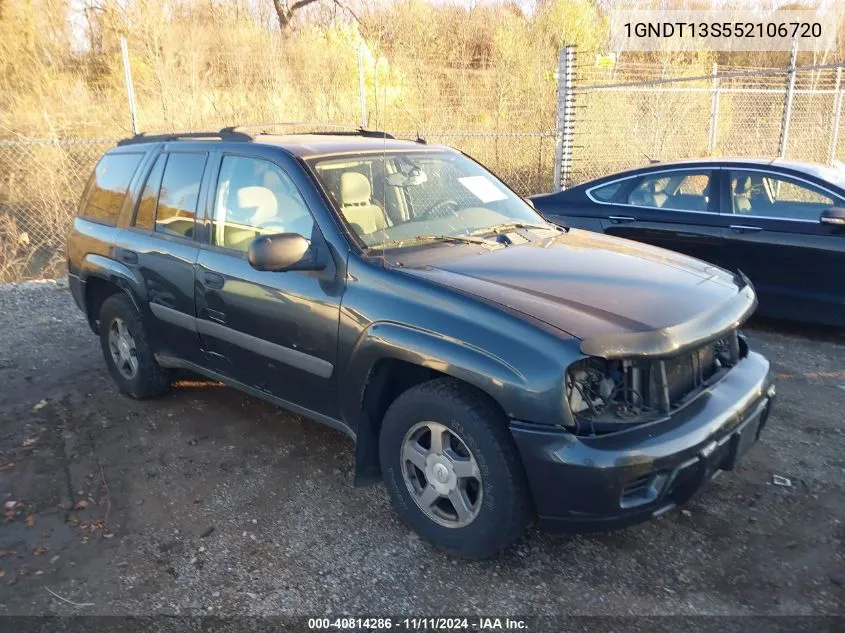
[[531, 391]]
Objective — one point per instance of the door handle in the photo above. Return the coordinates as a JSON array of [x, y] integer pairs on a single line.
[[130, 257], [213, 280], [742, 228], [621, 219]]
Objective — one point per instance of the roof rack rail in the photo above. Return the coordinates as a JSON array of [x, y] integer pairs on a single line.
[[333, 129], [225, 134]]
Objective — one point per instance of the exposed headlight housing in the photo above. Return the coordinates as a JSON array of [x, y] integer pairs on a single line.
[[605, 396]]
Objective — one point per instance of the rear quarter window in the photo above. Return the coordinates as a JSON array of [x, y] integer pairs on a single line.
[[606, 193], [107, 188]]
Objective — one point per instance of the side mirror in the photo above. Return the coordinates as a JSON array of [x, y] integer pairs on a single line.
[[530, 202], [833, 215], [283, 251]]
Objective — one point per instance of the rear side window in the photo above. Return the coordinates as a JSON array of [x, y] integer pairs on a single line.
[[179, 194], [107, 188]]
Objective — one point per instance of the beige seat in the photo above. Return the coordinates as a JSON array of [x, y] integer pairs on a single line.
[[742, 195], [261, 201], [656, 195], [257, 207], [357, 206]]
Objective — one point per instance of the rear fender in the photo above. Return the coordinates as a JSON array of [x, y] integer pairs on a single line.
[[116, 273]]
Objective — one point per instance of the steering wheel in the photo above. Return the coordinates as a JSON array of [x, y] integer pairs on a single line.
[[442, 209]]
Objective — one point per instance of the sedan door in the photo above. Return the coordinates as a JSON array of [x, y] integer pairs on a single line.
[[776, 238], [271, 331], [673, 209]]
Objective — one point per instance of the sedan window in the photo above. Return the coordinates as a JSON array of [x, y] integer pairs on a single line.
[[775, 196], [681, 191], [606, 193]]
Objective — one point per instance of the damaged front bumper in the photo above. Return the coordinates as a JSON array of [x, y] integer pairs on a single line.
[[609, 481]]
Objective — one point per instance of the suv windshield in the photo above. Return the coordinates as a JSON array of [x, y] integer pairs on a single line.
[[394, 198]]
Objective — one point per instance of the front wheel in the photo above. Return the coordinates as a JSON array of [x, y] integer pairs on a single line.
[[452, 469]]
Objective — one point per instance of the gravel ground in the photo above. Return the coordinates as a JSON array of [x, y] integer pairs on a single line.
[[209, 501]]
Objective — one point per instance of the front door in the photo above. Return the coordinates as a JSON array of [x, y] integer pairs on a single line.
[[273, 331], [776, 238]]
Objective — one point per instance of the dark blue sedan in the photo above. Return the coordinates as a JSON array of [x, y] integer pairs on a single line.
[[780, 222]]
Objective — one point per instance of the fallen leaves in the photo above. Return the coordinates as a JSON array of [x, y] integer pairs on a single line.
[[80, 505], [40, 405], [11, 509], [30, 519], [40, 550], [30, 441]]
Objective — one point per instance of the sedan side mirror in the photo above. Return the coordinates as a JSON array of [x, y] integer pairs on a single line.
[[833, 215], [284, 251]]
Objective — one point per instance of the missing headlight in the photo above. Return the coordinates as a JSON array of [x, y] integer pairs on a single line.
[[608, 395], [602, 393]]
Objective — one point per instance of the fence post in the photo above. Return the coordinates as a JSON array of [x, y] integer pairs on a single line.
[[130, 89], [714, 111], [787, 104], [564, 121], [362, 88], [837, 115]]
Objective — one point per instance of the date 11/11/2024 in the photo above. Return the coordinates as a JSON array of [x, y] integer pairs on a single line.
[[420, 624]]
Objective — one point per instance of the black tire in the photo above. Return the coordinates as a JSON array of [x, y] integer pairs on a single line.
[[505, 507], [150, 380]]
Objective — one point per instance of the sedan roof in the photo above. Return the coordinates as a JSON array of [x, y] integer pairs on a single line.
[[833, 175]]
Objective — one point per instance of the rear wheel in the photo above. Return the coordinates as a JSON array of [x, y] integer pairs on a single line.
[[452, 469], [129, 356]]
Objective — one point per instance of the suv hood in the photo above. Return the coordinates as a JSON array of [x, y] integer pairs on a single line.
[[620, 297]]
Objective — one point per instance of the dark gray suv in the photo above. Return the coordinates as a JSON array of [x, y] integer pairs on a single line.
[[491, 367]]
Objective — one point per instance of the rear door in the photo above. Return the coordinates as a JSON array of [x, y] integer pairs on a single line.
[[160, 245], [673, 209], [272, 331], [775, 236]]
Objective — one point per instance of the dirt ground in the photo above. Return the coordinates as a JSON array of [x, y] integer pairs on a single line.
[[209, 501]]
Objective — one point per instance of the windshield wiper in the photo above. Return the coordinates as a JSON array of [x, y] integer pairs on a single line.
[[466, 239], [509, 226]]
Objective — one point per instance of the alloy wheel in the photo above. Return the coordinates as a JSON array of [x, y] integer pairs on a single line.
[[122, 348], [441, 474]]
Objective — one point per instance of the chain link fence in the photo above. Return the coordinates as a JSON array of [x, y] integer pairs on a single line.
[[42, 181], [556, 123], [629, 115], [39, 192]]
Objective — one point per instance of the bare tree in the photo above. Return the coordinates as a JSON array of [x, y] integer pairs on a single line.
[[285, 11]]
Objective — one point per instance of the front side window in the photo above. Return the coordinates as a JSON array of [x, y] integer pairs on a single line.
[[107, 188], [393, 197], [255, 197], [179, 194], [681, 191], [775, 196]]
